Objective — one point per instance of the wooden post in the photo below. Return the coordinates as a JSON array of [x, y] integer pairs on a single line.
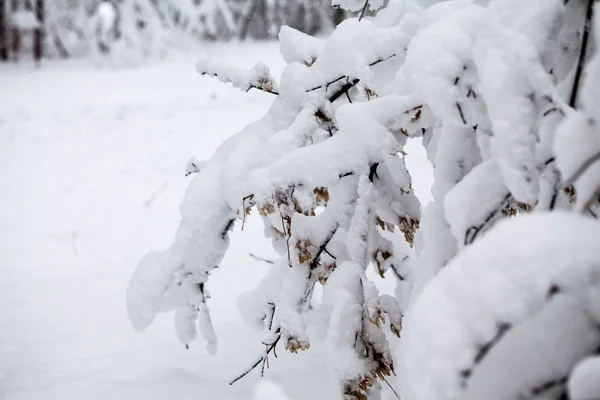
[[39, 32], [3, 31]]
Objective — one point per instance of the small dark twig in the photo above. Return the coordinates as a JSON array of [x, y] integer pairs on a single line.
[[326, 85], [287, 240], [272, 317], [262, 359], [244, 211], [552, 110], [276, 93], [473, 231], [462, 115], [373, 172], [502, 329], [227, 228], [581, 170], [348, 97], [329, 254], [390, 386], [315, 261], [364, 9], [343, 91], [259, 258], [582, 52], [547, 386]]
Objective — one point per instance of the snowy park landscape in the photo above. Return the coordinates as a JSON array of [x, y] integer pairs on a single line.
[[385, 200]]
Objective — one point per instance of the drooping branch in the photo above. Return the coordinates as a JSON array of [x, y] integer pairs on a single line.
[[258, 77]]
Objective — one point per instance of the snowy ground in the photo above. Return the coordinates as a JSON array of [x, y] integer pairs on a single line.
[[91, 175]]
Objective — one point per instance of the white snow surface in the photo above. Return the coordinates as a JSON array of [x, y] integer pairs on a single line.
[[584, 382], [93, 170]]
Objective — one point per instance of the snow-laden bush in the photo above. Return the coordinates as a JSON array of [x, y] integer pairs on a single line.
[[503, 97]]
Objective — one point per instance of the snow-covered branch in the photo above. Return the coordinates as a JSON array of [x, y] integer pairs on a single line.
[[509, 324], [483, 85], [257, 77]]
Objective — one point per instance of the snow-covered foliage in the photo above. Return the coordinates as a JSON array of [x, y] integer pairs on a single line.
[[491, 89], [510, 316]]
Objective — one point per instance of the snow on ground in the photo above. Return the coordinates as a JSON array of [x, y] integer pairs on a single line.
[[92, 164]]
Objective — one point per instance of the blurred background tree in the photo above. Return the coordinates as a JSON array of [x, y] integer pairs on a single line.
[[75, 28]]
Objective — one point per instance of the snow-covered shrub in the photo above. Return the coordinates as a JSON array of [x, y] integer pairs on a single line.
[[496, 92]]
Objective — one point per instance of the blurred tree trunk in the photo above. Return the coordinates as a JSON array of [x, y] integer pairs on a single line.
[[339, 15], [38, 49], [3, 31], [16, 35], [266, 21], [246, 18]]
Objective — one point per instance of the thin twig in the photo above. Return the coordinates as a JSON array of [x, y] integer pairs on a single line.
[[247, 371], [344, 76], [390, 386], [276, 93], [473, 231], [582, 52], [329, 254], [155, 195], [315, 261], [263, 359], [364, 9], [259, 258], [287, 240], [272, 315], [581, 170], [244, 211], [343, 90], [395, 271], [462, 115]]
